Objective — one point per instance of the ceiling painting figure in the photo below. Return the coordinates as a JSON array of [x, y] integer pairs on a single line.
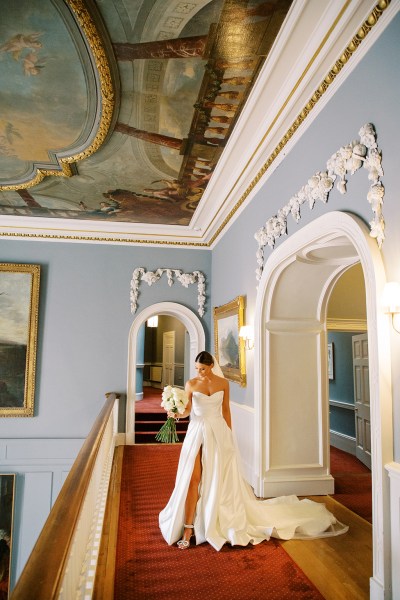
[[123, 115]]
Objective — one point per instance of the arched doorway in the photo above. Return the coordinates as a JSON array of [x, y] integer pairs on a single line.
[[291, 410], [197, 343]]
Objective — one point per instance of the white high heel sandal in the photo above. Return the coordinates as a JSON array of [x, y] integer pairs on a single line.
[[184, 544]]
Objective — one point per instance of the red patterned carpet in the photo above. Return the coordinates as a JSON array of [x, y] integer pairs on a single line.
[[148, 569], [353, 485], [151, 402]]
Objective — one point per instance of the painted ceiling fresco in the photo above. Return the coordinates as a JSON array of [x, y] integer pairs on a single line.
[[120, 111]]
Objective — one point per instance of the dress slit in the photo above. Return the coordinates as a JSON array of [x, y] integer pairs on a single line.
[[227, 511]]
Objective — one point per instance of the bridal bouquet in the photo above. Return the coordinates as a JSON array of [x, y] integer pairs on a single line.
[[174, 400]]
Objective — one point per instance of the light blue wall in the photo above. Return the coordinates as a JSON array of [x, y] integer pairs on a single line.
[[341, 388], [84, 303], [84, 324], [371, 93]]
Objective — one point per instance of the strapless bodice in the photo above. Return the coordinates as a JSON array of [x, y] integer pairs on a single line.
[[207, 406]]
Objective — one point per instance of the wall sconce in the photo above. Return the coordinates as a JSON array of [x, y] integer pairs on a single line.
[[246, 332], [391, 301], [153, 321]]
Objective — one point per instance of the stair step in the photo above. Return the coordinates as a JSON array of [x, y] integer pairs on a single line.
[[151, 432], [145, 416], [150, 425], [148, 437]]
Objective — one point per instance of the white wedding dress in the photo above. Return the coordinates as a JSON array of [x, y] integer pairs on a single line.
[[227, 510]]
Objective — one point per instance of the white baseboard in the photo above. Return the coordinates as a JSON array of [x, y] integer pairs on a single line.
[[308, 486], [120, 439], [343, 442]]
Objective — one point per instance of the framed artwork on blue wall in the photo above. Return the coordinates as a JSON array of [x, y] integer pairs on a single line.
[[331, 365], [229, 347], [7, 487], [19, 308]]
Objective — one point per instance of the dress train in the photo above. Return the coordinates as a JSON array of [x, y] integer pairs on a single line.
[[227, 510]]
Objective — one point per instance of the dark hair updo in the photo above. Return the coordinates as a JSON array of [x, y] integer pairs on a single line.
[[205, 358]]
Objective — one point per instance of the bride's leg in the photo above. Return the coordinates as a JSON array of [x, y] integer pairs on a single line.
[[192, 496]]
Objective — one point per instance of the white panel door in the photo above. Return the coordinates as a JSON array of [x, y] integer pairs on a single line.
[[168, 358], [361, 398]]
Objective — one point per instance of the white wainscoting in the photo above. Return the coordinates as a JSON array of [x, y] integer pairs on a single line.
[[243, 431], [41, 467], [343, 442], [393, 469]]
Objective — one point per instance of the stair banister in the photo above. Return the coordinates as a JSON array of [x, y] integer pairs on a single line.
[[63, 561]]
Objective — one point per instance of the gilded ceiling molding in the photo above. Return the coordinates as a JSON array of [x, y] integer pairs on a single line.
[[106, 83], [102, 65], [108, 240], [347, 160], [351, 48], [358, 38], [186, 279], [66, 171]]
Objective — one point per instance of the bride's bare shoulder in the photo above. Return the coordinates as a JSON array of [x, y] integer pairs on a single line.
[[192, 382], [222, 381]]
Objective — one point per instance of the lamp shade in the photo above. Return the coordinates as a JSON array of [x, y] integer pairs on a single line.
[[390, 300], [246, 332], [153, 321]]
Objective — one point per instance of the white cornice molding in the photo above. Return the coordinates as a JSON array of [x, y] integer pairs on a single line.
[[335, 324], [314, 32], [280, 126]]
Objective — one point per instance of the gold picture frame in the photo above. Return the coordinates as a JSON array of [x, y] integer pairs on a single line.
[[229, 347], [19, 309], [7, 499]]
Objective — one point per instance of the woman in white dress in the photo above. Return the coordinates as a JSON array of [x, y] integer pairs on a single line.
[[211, 500]]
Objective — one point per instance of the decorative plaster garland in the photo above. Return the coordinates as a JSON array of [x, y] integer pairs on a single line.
[[347, 159], [150, 277]]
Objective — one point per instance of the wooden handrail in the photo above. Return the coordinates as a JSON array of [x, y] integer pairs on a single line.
[[43, 573]]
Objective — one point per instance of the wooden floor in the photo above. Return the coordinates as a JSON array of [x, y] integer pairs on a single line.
[[340, 567]]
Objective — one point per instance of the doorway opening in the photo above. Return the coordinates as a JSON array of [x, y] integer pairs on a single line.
[[195, 342], [291, 375], [349, 399], [162, 359]]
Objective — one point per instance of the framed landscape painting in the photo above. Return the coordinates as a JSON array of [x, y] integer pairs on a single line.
[[19, 307], [7, 487], [229, 348]]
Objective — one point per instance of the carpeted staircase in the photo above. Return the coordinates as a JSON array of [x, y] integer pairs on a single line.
[[148, 424], [150, 416]]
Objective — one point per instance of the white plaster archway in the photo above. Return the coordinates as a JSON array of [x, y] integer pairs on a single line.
[[197, 344], [291, 386]]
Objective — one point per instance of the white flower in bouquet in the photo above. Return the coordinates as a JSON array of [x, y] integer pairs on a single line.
[[173, 400]]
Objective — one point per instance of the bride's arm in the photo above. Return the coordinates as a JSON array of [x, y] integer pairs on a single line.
[[226, 410]]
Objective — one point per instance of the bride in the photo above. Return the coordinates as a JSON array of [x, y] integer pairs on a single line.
[[211, 500]]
